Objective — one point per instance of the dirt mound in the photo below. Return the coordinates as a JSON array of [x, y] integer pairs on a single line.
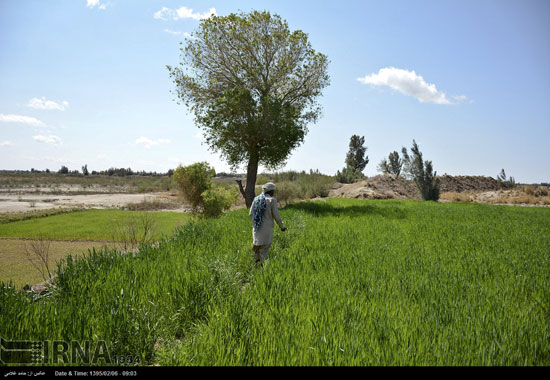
[[377, 187], [461, 183], [386, 186]]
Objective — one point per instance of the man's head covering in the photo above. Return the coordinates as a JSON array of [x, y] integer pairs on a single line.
[[268, 187]]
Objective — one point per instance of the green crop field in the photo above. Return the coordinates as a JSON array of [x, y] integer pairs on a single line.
[[352, 282], [71, 232], [89, 224]]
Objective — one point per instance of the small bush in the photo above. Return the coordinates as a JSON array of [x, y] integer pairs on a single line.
[[292, 185], [313, 186], [506, 183], [349, 175], [287, 192], [217, 200], [457, 197], [528, 190], [541, 191], [262, 179], [193, 181]]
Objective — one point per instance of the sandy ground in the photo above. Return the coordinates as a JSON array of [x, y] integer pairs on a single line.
[[23, 202]]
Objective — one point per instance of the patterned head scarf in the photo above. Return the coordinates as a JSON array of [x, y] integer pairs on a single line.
[[259, 207], [260, 204]]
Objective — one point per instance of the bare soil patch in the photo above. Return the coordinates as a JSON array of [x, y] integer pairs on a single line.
[[23, 202]]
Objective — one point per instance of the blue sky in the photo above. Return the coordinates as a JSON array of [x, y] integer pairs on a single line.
[[85, 82]]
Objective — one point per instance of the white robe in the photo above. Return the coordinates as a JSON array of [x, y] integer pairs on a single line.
[[264, 235]]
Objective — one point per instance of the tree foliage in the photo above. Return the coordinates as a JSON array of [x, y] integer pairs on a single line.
[[392, 165], [421, 172], [348, 175], [252, 86], [356, 157], [196, 186], [506, 183], [356, 161]]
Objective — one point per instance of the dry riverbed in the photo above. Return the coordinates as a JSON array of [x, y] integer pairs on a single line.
[[24, 200]]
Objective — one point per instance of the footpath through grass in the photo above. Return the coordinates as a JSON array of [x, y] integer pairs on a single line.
[[352, 282]]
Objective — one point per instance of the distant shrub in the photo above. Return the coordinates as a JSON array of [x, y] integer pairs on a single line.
[[506, 183], [314, 185], [304, 185], [218, 199], [541, 191], [150, 205], [195, 184], [349, 175], [392, 165], [262, 179], [193, 181], [528, 190], [287, 191], [290, 175], [457, 197], [421, 172]]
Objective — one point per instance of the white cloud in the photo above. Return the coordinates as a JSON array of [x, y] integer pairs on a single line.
[[148, 143], [96, 4], [181, 13], [408, 83], [199, 135], [50, 140], [21, 119], [43, 104], [174, 32], [6, 143], [179, 33]]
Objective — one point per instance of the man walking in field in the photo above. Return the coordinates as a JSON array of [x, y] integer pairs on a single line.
[[263, 211]]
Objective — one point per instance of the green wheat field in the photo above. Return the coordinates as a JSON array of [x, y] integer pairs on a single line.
[[352, 282]]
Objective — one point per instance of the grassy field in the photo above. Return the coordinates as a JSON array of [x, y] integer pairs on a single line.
[[352, 282], [88, 224], [15, 266], [72, 233]]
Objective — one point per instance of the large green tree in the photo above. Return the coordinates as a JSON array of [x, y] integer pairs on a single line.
[[252, 85]]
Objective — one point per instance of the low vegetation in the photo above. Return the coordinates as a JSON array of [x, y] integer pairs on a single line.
[[292, 185], [14, 217], [535, 195], [95, 225], [30, 248]]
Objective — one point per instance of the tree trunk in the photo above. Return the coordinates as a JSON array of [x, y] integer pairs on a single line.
[[251, 173]]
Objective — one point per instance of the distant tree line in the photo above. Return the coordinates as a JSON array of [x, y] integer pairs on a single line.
[[118, 172]]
